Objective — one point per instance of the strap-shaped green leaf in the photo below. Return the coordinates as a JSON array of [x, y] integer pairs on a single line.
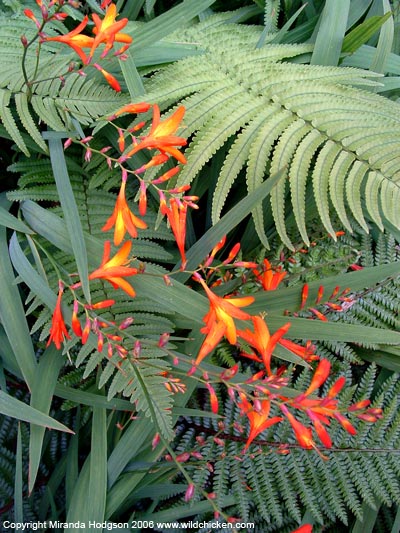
[[70, 210], [47, 372], [10, 406]]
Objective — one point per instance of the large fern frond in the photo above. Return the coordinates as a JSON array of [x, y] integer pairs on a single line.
[[330, 138]]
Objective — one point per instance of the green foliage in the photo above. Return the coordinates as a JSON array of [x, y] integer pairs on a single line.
[[279, 487], [307, 121], [261, 122]]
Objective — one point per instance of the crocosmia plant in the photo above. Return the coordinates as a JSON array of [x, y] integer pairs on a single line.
[[199, 314]]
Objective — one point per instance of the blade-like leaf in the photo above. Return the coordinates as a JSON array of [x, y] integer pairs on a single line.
[[363, 32], [42, 392], [10, 406], [18, 483], [12, 315], [70, 210], [10, 221], [328, 43]]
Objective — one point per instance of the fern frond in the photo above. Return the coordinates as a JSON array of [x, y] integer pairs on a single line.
[[320, 128]]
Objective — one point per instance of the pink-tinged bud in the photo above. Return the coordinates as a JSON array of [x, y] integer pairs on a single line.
[[196, 455], [356, 267], [45, 13], [163, 340], [206, 376], [219, 441], [190, 492], [59, 16], [211, 495], [168, 457], [167, 280], [105, 149], [229, 373], [137, 349], [231, 393], [175, 361], [24, 41], [156, 441], [183, 457], [88, 155], [192, 371], [210, 467], [126, 323], [201, 440]]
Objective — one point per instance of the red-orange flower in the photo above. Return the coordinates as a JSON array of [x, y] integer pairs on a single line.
[[111, 80], [58, 330], [306, 352], [259, 419], [302, 433], [176, 214], [261, 339], [76, 40], [131, 108], [107, 31], [114, 270], [123, 219], [270, 277], [219, 319], [161, 135]]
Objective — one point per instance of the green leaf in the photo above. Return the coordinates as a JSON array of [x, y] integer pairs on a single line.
[[18, 483], [329, 40], [132, 77], [13, 315], [363, 32], [96, 503], [10, 406], [10, 221], [385, 42], [168, 22], [70, 210], [47, 372]]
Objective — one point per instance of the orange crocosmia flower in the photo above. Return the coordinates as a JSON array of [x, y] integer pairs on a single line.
[[123, 219], [306, 352], [111, 80], [132, 108], [176, 214], [219, 319], [259, 419], [302, 433], [320, 376], [107, 31], [114, 270], [261, 339], [161, 135], [270, 278], [58, 330], [76, 40]]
